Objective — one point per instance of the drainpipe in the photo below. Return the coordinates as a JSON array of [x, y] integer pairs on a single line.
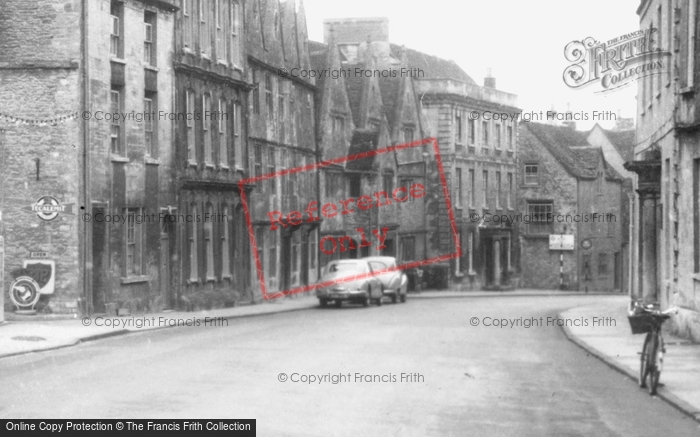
[[86, 252]]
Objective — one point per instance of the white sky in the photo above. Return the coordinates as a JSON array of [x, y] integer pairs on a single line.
[[521, 41]]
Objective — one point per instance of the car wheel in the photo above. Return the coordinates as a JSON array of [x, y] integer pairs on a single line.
[[323, 303], [338, 303], [403, 295], [381, 294], [366, 301], [394, 298]]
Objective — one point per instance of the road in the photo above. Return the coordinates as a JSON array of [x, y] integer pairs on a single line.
[[468, 381]]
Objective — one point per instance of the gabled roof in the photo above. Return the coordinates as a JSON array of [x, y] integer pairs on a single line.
[[389, 87], [363, 140], [572, 150], [624, 141], [355, 85], [432, 66]]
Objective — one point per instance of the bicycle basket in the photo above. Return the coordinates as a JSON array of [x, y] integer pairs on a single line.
[[644, 322]]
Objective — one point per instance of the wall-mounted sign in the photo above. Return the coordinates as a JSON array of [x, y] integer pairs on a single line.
[[586, 243], [24, 293], [44, 273], [48, 207], [35, 255], [561, 242]]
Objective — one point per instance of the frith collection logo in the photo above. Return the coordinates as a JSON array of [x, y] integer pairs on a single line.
[[48, 207], [614, 63]]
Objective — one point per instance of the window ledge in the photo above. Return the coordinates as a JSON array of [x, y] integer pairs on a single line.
[[222, 63], [118, 60], [193, 281], [229, 277], [689, 90], [459, 274], [211, 279], [134, 280], [696, 277], [205, 56], [224, 167], [209, 166], [471, 273], [151, 67], [191, 163], [118, 158], [152, 161]]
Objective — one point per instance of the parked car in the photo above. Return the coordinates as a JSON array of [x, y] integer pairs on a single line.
[[346, 287], [394, 283]]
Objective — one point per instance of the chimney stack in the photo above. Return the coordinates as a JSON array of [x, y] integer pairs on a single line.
[[489, 80]]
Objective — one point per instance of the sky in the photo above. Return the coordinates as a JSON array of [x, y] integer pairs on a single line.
[[522, 42]]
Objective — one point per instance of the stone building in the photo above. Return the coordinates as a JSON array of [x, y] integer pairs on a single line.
[[65, 68], [566, 187], [282, 135], [210, 247], [666, 225]]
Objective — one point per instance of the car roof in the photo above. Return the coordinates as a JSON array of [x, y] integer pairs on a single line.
[[385, 259]]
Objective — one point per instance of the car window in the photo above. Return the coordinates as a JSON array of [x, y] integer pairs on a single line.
[[344, 267], [377, 265]]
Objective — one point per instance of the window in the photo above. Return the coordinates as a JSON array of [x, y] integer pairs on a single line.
[[134, 241], [408, 134], [272, 168], [388, 182], [509, 198], [334, 185], [472, 131], [258, 160], [269, 104], [223, 133], [208, 240], [485, 187], [497, 132], [281, 104], [459, 196], [541, 219], [194, 275], [150, 108], [256, 92], [206, 129], [499, 192], [204, 36], [459, 134], [116, 134], [116, 47], [510, 137], [219, 18], [408, 248], [355, 185], [471, 188], [313, 253], [189, 114], [338, 129], [225, 245], [237, 136], [235, 48], [260, 245], [602, 264], [484, 134], [531, 174], [149, 40], [187, 24]]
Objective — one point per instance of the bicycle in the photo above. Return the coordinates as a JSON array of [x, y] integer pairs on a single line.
[[648, 319]]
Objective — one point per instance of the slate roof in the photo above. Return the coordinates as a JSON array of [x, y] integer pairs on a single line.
[[624, 141], [432, 66], [354, 85], [572, 150], [389, 87], [363, 140]]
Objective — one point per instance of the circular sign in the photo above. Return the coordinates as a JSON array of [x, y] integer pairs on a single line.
[[24, 292], [586, 243], [47, 208]]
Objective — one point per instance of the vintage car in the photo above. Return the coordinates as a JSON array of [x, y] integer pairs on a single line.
[[350, 280], [394, 283]]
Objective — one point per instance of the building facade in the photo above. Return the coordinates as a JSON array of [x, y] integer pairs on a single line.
[[107, 174], [666, 225], [566, 187]]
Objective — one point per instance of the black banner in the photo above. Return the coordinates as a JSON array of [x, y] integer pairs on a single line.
[[238, 427]]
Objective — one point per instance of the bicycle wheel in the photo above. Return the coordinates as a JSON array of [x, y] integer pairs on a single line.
[[654, 369], [644, 362]]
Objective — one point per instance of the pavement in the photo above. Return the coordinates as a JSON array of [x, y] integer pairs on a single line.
[[614, 344], [610, 340]]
